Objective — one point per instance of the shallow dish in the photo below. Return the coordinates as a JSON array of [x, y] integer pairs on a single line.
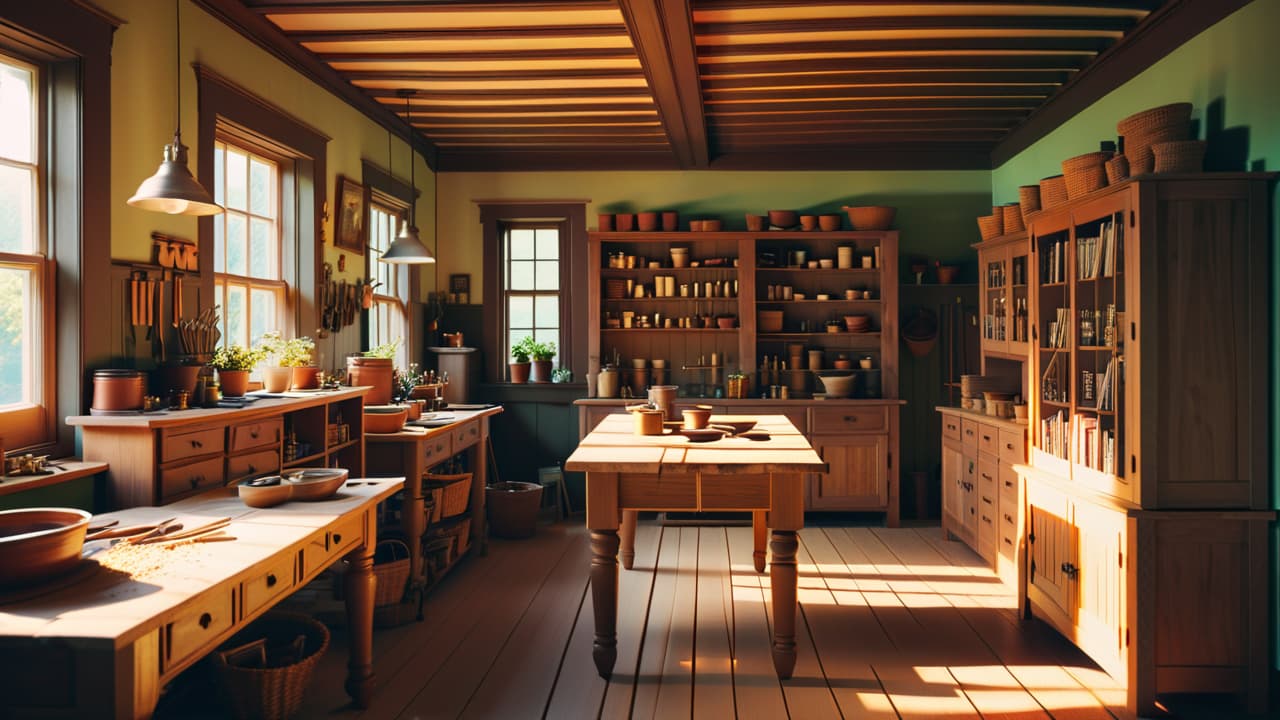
[[385, 418], [315, 483], [40, 543], [264, 492], [734, 427], [701, 434]]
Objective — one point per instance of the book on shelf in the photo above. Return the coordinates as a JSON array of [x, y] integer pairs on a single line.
[[1053, 262], [1055, 435], [1096, 256], [1059, 329], [1105, 388], [1092, 445]]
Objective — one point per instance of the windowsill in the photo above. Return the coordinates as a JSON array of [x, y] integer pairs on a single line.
[[73, 469], [555, 393]]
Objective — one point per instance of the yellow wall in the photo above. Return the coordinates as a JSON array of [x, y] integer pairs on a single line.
[[936, 210], [142, 117]]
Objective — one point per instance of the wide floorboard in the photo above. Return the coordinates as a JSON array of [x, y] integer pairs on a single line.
[[893, 623]]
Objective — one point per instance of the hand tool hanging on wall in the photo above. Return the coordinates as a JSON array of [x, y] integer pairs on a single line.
[[177, 298]]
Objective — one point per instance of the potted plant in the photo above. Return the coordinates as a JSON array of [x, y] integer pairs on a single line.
[[403, 383], [541, 354], [275, 377], [296, 354], [233, 363], [375, 368], [520, 353]]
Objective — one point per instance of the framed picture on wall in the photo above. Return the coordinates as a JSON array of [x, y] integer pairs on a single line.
[[460, 288], [349, 229]]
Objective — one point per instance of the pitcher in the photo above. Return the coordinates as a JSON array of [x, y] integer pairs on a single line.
[[663, 397]]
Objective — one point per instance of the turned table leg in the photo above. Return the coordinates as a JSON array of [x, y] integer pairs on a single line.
[[360, 585], [782, 577], [759, 530], [627, 534], [604, 599]]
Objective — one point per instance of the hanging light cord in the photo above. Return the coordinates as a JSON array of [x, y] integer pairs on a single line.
[[177, 20], [413, 209]]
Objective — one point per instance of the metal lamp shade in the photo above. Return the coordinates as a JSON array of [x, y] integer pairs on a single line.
[[172, 189], [407, 248]]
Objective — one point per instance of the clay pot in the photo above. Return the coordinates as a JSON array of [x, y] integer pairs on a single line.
[[235, 383], [842, 363], [306, 378], [696, 418], [647, 221], [173, 378], [118, 389], [712, 226], [783, 218], [606, 222], [519, 372], [40, 543], [670, 221], [947, 274], [808, 222], [755, 223], [624, 222], [377, 373], [829, 223], [384, 418], [727, 322], [415, 409], [540, 371], [607, 383], [276, 379]]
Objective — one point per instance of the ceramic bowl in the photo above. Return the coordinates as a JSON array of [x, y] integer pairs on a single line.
[[838, 385], [784, 218], [40, 543], [696, 418], [315, 483], [829, 223], [727, 322], [871, 217], [733, 427], [264, 492], [384, 418]]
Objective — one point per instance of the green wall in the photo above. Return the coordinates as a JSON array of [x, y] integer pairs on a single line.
[[1229, 73]]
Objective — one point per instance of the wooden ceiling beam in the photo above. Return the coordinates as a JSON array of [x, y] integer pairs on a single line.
[[875, 156], [568, 32], [483, 75], [258, 30], [426, 97], [428, 124], [958, 4], [569, 130], [881, 91], [282, 7], [1011, 21], [986, 114], [937, 77], [914, 104], [662, 32], [488, 111], [515, 159], [462, 56], [1064, 61], [912, 45]]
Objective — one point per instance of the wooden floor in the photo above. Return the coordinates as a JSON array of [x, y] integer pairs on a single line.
[[892, 624]]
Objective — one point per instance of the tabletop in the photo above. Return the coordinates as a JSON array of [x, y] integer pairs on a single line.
[[613, 446]]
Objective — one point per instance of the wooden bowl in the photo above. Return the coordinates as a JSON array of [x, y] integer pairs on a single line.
[[871, 217], [784, 218], [727, 322], [264, 492], [40, 543], [838, 385], [315, 483], [384, 418]]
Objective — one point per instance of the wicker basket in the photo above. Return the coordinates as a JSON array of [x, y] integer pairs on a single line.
[[1028, 199], [1053, 192], [1117, 169], [1138, 147], [391, 568], [990, 226], [1085, 173], [615, 288], [1012, 218], [1154, 119], [455, 492], [1182, 156], [264, 691]]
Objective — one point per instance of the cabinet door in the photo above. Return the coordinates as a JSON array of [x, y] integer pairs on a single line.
[[1051, 544], [970, 486], [858, 478], [1019, 304], [994, 264], [953, 486], [1100, 617]]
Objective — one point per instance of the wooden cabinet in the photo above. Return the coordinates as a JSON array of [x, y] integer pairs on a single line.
[[1148, 491], [857, 475], [159, 458], [981, 501], [1003, 264]]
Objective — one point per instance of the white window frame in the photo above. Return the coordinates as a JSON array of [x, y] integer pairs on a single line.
[[508, 293], [389, 313]]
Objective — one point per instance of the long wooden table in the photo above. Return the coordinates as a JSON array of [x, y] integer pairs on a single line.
[[106, 642], [627, 473]]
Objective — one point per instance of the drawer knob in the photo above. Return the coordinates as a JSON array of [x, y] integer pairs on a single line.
[[985, 475], [206, 620], [197, 444], [337, 538], [986, 438], [1008, 446], [196, 480], [1008, 483], [968, 432], [1008, 542], [253, 433], [850, 418], [271, 580], [1008, 517]]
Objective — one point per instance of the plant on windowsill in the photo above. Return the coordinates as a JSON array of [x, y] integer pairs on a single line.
[[275, 377], [374, 367], [520, 353], [233, 363], [296, 354], [542, 354]]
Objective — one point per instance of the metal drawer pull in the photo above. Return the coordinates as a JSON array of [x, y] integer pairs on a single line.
[[206, 620], [197, 444], [1008, 483], [1008, 517], [850, 418], [271, 580], [986, 476], [1070, 570], [337, 538], [1009, 445], [196, 480]]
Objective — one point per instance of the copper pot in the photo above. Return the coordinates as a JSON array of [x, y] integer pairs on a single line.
[[118, 389], [453, 339]]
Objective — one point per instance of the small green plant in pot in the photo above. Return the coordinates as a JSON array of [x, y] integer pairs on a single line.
[[275, 377], [375, 368], [520, 354], [296, 354], [233, 363], [541, 354]]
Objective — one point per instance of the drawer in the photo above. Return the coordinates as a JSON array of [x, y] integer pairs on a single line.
[[333, 543], [951, 427], [1008, 531], [437, 448], [261, 589], [988, 526], [638, 491], [989, 439], [190, 443], [1008, 485], [185, 479], [263, 462], [838, 421], [988, 477], [734, 492], [1012, 446], [259, 433], [969, 434], [195, 631], [466, 436], [798, 416]]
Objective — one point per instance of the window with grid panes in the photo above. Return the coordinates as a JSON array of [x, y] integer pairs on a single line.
[[26, 340], [532, 287], [389, 315], [248, 265]]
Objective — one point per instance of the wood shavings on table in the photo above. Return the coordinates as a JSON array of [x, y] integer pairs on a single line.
[[142, 561]]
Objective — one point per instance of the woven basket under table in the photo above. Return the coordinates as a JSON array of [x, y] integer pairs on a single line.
[[393, 573], [456, 491], [270, 692]]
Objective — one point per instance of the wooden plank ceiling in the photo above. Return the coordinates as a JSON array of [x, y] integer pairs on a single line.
[[710, 83]]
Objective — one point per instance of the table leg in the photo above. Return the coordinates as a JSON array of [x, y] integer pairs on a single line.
[[604, 599], [759, 530], [628, 537], [360, 587], [782, 577]]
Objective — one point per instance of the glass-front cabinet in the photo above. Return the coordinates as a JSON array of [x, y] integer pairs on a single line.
[[1004, 262]]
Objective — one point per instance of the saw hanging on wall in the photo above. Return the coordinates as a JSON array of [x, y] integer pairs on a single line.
[[340, 301]]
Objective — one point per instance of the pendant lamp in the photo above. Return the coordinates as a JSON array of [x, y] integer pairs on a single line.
[[407, 248], [172, 189]]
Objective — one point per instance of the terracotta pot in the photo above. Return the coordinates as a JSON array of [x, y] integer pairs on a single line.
[[696, 418], [118, 389], [540, 371], [809, 222], [755, 223], [624, 222], [647, 221], [415, 408], [947, 274], [276, 379], [306, 378], [606, 222], [829, 223], [235, 383], [377, 373], [670, 221], [519, 372], [40, 543]]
